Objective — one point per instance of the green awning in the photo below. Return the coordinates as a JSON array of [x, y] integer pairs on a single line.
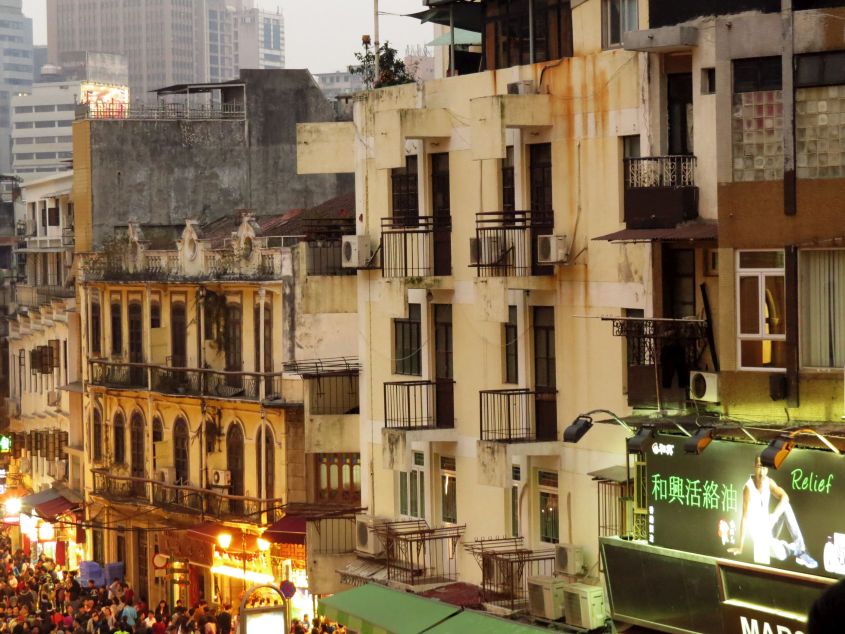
[[374, 609], [477, 622], [462, 38]]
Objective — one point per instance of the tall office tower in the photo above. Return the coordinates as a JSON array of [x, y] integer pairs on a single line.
[[169, 41], [16, 65], [243, 36], [163, 40]]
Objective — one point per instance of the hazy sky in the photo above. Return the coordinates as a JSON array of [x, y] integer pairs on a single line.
[[321, 34]]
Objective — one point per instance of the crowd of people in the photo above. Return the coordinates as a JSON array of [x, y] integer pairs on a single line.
[[317, 626], [37, 599]]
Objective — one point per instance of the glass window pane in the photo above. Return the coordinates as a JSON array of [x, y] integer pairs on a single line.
[[422, 496], [763, 354], [775, 305], [403, 493], [414, 498], [761, 260], [749, 305], [515, 511]]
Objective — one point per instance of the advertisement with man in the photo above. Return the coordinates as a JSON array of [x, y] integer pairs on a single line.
[[725, 503]]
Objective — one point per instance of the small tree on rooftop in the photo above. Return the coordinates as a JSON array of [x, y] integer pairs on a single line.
[[392, 70]]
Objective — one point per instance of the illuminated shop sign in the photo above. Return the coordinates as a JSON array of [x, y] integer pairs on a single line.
[[723, 504]]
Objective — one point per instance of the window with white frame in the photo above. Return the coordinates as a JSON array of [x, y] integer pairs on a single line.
[[618, 16], [548, 507], [761, 309], [822, 304], [448, 493], [412, 488], [516, 476]]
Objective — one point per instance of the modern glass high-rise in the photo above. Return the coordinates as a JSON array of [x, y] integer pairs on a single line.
[[169, 41], [15, 69]]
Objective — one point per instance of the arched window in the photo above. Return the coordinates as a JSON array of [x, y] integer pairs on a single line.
[[235, 462], [265, 439], [158, 436], [97, 435], [180, 450], [119, 439], [136, 444]]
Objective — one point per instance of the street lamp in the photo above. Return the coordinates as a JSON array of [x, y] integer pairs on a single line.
[[584, 423]]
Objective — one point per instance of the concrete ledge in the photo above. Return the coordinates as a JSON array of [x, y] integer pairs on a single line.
[[662, 40]]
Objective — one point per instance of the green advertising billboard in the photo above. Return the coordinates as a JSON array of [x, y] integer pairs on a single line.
[[723, 503]]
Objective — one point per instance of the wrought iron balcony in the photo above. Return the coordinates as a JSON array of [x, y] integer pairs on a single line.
[[660, 191], [246, 386], [417, 554], [323, 242], [419, 405], [506, 243], [518, 415], [416, 246], [185, 498]]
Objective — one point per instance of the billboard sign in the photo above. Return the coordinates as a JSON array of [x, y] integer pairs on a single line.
[[722, 503]]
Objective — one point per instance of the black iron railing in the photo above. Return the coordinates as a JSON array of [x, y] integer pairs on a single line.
[[506, 242], [413, 405], [419, 555], [660, 171], [325, 257], [518, 415]]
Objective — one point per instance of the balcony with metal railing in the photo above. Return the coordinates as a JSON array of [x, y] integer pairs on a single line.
[[506, 243], [271, 388], [415, 405], [184, 498], [27, 295], [162, 111], [660, 191], [419, 555], [518, 415], [416, 246]]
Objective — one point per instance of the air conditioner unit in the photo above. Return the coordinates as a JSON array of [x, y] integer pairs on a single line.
[[552, 250], [53, 398], [366, 540], [221, 478], [583, 606], [166, 475], [704, 386], [569, 559], [355, 252], [524, 87], [545, 597], [486, 251]]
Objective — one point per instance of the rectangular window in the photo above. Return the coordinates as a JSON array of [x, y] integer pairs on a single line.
[[407, 337], [412, 488], [116, 328], [403, 182], [540, 166], [822, 291], [339, 477], [548, 507], [820, 69], [544, 347], [511, 337], [516, 477], [508, 191], [443, 341], [757, 73], [761, 309], [708, 81], [95, 328], [631, 146], [98, 546], [448, 494], [618, 17]]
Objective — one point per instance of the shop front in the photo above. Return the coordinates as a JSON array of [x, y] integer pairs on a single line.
[[729, 545]]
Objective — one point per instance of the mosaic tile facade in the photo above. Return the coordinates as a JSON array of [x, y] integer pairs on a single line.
[[758, 135], [819, 126]]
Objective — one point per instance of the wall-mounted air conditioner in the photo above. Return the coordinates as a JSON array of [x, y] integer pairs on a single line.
[[221, 478], [545, 597], [523, 87], [583, 606], [166, 475], [704, 386], [569, 559], [367, 542], [355, 252], [552, 250]]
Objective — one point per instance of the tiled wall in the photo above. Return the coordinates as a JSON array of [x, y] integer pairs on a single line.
[[819, 125], [758, 136]]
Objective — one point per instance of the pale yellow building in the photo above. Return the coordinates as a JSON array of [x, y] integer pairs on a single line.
[[481, 288]]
